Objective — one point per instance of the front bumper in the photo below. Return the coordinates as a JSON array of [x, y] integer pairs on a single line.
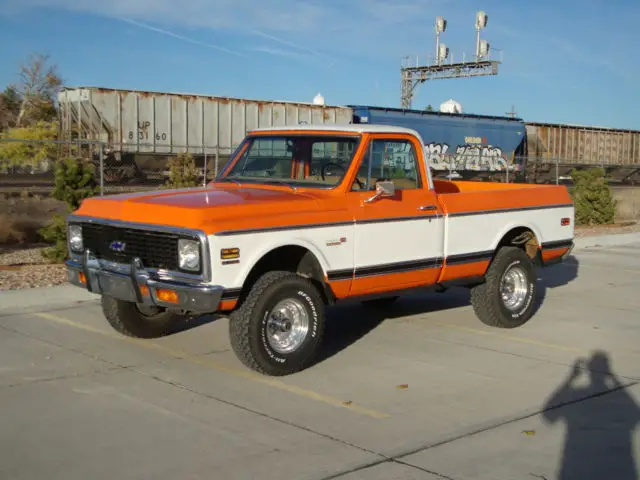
[[134, 283]]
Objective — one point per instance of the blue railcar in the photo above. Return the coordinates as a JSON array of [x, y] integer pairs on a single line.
[[464, 143]]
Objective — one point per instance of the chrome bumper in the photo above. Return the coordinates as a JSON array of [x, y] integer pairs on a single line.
[[133, 283]]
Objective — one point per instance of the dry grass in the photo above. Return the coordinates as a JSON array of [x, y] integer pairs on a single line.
[[22, 216], [628, 207]]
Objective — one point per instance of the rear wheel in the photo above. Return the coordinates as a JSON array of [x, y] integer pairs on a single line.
[[136, 320], [506, 298], [278, 328]]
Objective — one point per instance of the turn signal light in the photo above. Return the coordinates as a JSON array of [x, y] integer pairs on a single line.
[[82, 278], [229, 253], [565, 221], [144, 290], [168, 296]]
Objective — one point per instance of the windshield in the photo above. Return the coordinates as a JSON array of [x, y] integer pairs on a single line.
[[295, 160]]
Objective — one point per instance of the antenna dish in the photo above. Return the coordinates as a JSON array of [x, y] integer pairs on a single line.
[[318, 100]]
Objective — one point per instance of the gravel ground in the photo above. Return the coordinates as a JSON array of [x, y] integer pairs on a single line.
[[25, 268]]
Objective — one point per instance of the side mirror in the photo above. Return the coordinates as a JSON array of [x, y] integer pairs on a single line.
[[385, 188]]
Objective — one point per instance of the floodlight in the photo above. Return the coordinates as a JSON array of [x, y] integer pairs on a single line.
[[441, 24], [481, 20], [484, 48], [443, 52]]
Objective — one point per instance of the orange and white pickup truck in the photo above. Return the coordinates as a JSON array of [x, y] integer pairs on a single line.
[[309, 216]]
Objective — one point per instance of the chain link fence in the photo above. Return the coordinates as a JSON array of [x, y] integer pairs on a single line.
[[27, 166]]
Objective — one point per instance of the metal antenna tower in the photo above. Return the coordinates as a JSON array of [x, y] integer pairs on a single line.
[[415, 75], [512, 113]]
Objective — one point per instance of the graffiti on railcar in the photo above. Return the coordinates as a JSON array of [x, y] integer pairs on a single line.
[[468, 156]]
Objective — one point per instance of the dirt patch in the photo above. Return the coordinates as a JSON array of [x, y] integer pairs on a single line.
[[613, 229], [22, 216], [628, 207]]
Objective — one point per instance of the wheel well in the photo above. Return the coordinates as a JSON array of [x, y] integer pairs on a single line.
[[290, 258], [522, 237]]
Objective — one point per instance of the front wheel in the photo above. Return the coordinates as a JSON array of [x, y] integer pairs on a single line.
[[140, 321], [278, 328], [506, 298]]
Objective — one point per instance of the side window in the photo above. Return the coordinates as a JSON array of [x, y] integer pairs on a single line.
[[389, 160]]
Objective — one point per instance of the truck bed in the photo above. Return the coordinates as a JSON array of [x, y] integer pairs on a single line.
[[460, 197]]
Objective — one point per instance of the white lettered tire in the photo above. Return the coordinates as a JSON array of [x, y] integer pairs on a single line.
[[507, 297], [278, 328]]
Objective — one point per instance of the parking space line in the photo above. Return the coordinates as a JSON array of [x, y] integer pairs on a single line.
[[511, 338], [265, 380]]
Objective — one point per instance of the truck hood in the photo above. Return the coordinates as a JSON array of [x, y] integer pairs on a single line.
[[211, 209]]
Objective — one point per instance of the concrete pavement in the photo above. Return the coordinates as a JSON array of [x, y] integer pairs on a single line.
[[424, 391]]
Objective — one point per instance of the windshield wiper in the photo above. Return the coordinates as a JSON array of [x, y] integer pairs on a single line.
[[280, 182], [231, 179]]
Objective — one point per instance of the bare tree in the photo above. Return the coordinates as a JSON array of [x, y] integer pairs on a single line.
[[39, 84]]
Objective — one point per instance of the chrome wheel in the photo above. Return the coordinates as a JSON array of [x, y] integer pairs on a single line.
[[514, 288], [287, 326]]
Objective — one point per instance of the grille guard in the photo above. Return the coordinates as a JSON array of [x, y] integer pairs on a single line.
[[124, 282]]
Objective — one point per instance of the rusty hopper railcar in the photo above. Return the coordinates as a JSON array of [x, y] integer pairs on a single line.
[[142, 129], [553, 150], [171, 123]]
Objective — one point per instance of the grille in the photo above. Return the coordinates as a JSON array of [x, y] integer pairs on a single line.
[[155, 249]]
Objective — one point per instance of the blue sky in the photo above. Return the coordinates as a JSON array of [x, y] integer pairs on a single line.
[[563, 60]]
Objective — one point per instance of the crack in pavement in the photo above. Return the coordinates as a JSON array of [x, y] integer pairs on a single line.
[[26, 312], [398, 457], [114, 366], [63, 377]]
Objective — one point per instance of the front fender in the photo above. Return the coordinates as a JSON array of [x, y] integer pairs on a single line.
[[252, 249]]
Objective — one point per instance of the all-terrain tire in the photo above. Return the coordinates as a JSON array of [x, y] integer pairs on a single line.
[[249, 328], [127, 319], [487, 300]]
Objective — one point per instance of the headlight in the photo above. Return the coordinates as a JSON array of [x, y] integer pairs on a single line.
[[75, 238], [189, 254]]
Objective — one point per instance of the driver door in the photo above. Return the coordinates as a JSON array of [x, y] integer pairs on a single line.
[[398, 239]]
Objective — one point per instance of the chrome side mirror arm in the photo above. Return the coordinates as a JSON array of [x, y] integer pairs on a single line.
[[383, 189]]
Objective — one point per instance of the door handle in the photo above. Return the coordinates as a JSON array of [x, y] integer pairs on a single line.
[[427, 207]]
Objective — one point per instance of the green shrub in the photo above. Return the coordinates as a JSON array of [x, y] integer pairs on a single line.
[[74, 181], [592, 197], [55, 233], [182, 172]]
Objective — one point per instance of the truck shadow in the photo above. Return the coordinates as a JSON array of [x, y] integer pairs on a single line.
[[600, 416], [350, 322], [554, 277]]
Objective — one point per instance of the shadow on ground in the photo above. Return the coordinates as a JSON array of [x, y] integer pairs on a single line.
[[347, 324], [556, 276], [600, 417]]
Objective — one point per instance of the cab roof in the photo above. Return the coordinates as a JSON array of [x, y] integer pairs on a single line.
[[349, 128]]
